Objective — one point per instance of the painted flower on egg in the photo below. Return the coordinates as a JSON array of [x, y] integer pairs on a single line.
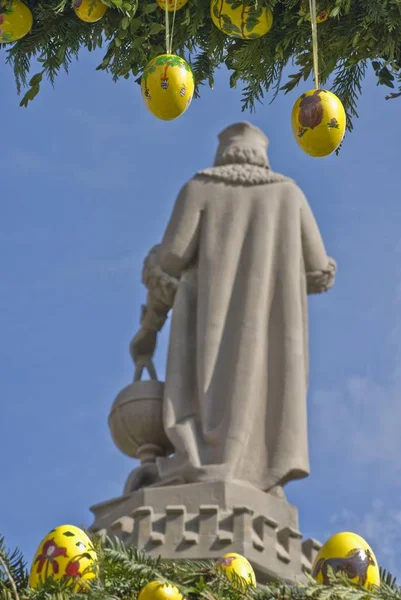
[[50, 552]]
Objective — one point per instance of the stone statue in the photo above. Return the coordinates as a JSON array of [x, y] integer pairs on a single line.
[[240, 254]]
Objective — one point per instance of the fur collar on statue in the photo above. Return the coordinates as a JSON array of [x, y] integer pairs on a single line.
[[242, 174]]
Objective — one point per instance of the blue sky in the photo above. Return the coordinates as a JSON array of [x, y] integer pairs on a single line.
[[88, 181]]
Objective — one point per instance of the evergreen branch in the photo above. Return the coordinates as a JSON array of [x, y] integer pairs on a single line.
[[124, 571], [13, 567], [357, 33]]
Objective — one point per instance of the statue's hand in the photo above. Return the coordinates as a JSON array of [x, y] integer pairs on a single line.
[[143, 345]]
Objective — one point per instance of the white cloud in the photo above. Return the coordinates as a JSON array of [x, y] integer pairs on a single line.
[[359, 424], [360, 421]]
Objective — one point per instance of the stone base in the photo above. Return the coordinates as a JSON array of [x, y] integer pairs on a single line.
[[203, 521]]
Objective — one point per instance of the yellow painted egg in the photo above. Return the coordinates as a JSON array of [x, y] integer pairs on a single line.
[[349, 553], [321, 15], [90, 11], [238, 20], [167, 86], [155, 590], [16, 21], [66, 551], [172, 4], [235, 563], [318, 122]]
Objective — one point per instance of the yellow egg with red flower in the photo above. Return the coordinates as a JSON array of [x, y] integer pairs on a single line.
[[238, 569], [16, 21], [318, 122], [90, 11], [350, 554], [155, 590], [66, 552], [167, 86]]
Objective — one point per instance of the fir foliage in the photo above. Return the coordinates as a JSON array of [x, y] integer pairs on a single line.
[[359, 35], [124, 571]]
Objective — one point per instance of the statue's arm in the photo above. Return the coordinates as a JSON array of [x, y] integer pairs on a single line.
[[320, 268], [161, 292], [180, 242], [165, 263]]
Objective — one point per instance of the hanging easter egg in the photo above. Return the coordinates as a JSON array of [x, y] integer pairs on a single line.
[[66, 551], [347, 553], [236, 566], [239, 20], [172, 4], [318, 122], [167, 86], [321, 15], [16, 21], [90, 11], [155, 590]]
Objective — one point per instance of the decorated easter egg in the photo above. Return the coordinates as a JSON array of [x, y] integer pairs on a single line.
[[172, 4], [318, 122], [66, 551], [155, 590], [239, 20], [167, 86], [347, 553], [90, 11], [321, 15], [235, 566], [16, 21]]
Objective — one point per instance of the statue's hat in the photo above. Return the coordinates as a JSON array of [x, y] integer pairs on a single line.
[[242, 143]]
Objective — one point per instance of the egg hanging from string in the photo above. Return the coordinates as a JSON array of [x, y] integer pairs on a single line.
[[90, 11], [172, 5], [236, 19], [167, 86], [321, 15], [16, 21], [318, 122]]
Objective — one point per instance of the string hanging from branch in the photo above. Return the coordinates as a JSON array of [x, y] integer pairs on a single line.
[[315, 47]]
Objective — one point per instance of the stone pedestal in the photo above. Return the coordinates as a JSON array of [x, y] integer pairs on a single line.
[[206, 520]]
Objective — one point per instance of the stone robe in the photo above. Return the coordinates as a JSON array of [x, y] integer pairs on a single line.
[[237, 369]]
